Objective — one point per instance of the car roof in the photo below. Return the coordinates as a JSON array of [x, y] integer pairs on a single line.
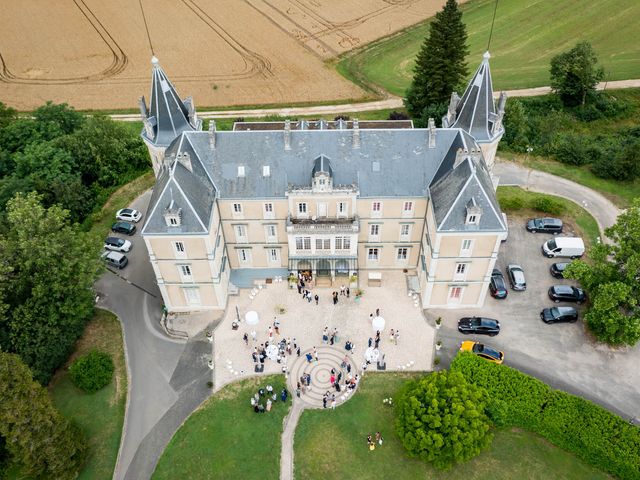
[[561, 265], [566, 310], [513, 266], [117, 240], [551, 221], [486, 350], [127, 210], [563, 288], [117, 256]]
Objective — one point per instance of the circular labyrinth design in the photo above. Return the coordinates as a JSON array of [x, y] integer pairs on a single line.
[[320, 371]]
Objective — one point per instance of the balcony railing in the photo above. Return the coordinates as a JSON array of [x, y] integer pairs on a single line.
[[323, 225]]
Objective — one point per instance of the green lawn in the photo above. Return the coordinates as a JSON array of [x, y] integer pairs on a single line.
[[527, 34], [100, 415], [226, 439], [620, 193], [576, 216], [332, 445]]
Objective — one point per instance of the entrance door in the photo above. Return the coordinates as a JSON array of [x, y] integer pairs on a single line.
[[322, 210], [324, 268], [342, 268]]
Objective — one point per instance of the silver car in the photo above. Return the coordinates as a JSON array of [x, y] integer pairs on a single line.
[[516, 277]]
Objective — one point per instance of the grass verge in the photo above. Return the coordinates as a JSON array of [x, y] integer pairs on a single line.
[[332, 445], [526, 35], [226, 439], [620, 193], [101, 221], [515, 200], [100, 415]]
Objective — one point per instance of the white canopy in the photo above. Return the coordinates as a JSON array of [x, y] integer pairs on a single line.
[[251, 318], [378, 323]]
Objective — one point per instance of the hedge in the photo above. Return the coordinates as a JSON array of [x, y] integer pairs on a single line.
[[92, 371], [591, 432]]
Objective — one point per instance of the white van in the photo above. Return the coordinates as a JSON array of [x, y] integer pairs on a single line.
[[572, 247]]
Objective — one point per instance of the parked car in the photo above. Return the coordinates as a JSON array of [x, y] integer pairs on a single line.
[[497, 285], [567, 293], [479, 326], [482, 350], [557, 269], [129, 215], [123, 227], [546, 225], [115, 259], [516, 277], [117, 244], [572, 247], [559, 314]]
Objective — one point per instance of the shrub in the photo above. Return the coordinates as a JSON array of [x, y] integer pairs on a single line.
[[441, 419], [92, 371], [341, 117], [395, 115], [548, 205], [592, 433], [511, 202]]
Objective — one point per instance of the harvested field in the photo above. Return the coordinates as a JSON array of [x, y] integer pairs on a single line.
[[95, 55]]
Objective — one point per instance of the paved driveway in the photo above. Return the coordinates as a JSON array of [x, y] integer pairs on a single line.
[[562, 355], [167, 377]]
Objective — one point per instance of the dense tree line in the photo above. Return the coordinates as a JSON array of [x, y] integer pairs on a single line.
[[34, 437], [70, 159]]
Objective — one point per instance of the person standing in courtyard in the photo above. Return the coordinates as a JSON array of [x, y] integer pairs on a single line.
[[276, 325], [315, 354], [298, 351], [270, 333], [342, 289], [245, 338], [396, 337], [309, 357], [392, 336], [377, 312], [254, 336], [316, 298], [347, 292]]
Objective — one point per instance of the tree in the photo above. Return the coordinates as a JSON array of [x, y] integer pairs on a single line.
[[38, 439], [611, 279], [575, 74], [65, 118], [440, 66], [516, 126], [49, 285], [441, 419]]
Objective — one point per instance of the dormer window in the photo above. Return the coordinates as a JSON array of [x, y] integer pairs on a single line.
[[474, 212], [240, 171], [321, 174], [173, 215]]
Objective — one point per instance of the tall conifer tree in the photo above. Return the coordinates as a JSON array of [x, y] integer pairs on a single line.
[[440, 65]]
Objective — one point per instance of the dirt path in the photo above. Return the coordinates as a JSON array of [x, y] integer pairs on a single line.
[[286, 454], [389, 103]]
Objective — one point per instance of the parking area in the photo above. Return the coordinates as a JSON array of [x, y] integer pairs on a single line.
[[563, 355]]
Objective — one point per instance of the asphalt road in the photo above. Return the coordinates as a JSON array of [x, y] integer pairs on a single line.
[[562, 355], [167, 377]]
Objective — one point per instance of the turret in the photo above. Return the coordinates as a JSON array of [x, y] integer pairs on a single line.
[[166, 117], [476, 112]]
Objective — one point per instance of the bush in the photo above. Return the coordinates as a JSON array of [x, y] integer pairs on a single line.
[[395, 115], [548, 205], [92, 371], [592, 433], [441, 419], [511, 202]]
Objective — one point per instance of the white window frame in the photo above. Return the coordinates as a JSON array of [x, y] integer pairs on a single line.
[[241, 233], [323, 244], [402, 254], [268, 212], [179, 250], [373, 254], [244, 256], [472, 219], [468, 243], [273, 255], [186, 275], [271, 233], [303, 210], [407, 208], [303, 243], [403, 235], [343, 209], [456, 292], [374, 231], [461, 270], [236, 210], [192, 296], [376, 209]]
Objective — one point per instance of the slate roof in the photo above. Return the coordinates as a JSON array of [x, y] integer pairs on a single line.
[[466, 184], [389, 163], [191, 191], [167, 113], [476, 111]]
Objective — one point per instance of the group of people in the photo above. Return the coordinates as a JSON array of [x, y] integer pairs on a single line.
[[371, 441], [264, 398], [285, 347], [329, 337]]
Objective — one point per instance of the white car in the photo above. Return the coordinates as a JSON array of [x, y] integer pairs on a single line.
[[117, 244], [128, 215]]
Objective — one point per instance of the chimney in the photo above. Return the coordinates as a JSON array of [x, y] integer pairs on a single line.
[[185, 159], [356, 133], [287, 134], [212, 133], [432, 133], [191, 109], [450, 118], [460, 156], [144, 111]]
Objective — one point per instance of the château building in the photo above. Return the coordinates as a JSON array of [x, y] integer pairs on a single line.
[[339, 200]]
